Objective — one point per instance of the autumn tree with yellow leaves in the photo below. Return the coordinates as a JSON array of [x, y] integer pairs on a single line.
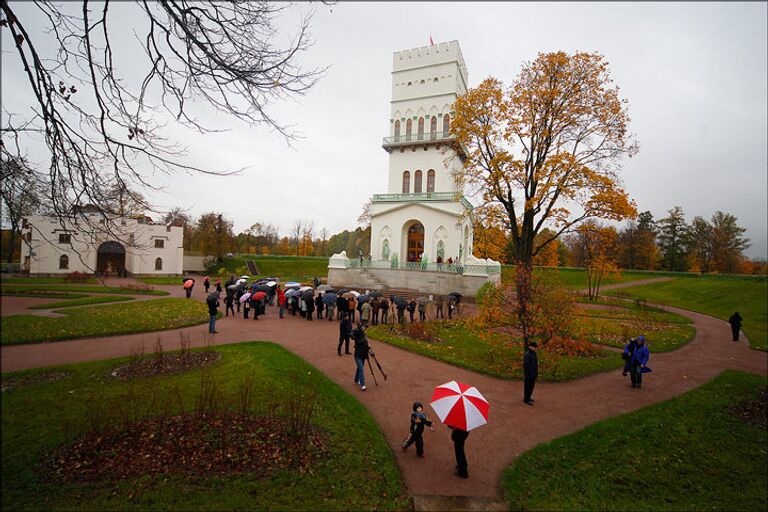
[[547, 149]]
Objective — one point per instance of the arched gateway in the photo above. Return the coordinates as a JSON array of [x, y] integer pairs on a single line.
[[415, 242], [110, 256]]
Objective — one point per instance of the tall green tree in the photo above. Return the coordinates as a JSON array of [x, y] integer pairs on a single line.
[[213, 235], [673, 240], [728, 242]]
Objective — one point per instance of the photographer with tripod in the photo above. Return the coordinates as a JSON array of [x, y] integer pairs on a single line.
[[362, 353]]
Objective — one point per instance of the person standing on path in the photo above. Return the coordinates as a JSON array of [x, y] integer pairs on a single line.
[[629, 350], [280, 302], [188, 291], [530, 371], [361, 356], [418, 420], [384, 311], [365, 314], [735, 322], [319, 306], [229, 302], [439, 301], [638, 362], [341, 306], [310, 304], [459, 437], [213, 310], [351, 306], [422, 311], [375, 305], [411, 309], [345, 329], [206, 283]]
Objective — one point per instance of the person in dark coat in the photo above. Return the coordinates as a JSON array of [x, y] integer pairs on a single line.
[[310, 303], [361, 356], [530, 371], [188, 291], [218, 286], [229, 302], [319, 305], [375, 305], [213, 309], [418, 421], [345, 329], [246, 307], [735, 322], [206, 283], [638, 362], [384, 311], [238, 293], [439, 301], [341, 306], [459, 437], [411, 309], [401, 305]]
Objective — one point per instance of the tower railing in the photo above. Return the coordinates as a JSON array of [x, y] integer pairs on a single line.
[[410, 138], [422, 196]]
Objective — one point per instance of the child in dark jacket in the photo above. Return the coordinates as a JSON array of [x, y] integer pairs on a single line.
[[345, 329], [418, 420]]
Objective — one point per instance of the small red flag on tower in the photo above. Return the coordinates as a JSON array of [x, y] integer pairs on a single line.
[[430, 40]]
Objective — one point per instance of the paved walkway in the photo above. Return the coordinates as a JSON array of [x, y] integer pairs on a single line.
[[561, 408]]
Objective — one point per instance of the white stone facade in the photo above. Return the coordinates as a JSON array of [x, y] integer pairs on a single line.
[[150, 249]]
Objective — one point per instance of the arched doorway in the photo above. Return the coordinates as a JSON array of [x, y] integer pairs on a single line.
[[110, 256], [415, 242]]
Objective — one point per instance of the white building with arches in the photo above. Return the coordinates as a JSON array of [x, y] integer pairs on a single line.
[[423, 223]]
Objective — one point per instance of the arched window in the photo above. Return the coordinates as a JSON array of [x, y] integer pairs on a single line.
[[433, 128], [446, 124], [421, 128], [406, 182], [64, 262], [397, 130], [417, 182], [435, 80], [431, 180], [441, 250], [385, 249], [408, 129], [159, 264]]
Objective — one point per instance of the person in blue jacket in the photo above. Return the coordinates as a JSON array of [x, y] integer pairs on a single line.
[[637, 363]]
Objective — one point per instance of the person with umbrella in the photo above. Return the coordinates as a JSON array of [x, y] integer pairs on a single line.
[[530, 371], [245, 300], [462, 408], [310, 305], [319, 305], [229, 301], [342, 306], [218, 286], [361, 356], [280, 302], [257, 304], [351, 307], [189, 283], [401, 304], [365, 313], [213, 309], [329, 299]]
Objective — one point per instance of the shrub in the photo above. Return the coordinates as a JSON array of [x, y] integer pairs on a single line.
[[76, 277], [484, 292]]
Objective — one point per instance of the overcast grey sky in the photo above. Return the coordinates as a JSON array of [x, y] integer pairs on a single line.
[[695, 75]]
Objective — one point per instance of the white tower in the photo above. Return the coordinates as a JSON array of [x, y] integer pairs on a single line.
[[423, 212]]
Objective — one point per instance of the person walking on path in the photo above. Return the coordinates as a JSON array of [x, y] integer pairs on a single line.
[[530, 371], [218, 286], [365, 314], [280, 302], [418, 420], [319, 305], [188, 291], [638, 362], [361, 356], [629, 350], [459, 437], [213, 310], [439, 301], [411, 309], [375, 305], [735, 322], [345, 329], [384, 311], [206, 283]]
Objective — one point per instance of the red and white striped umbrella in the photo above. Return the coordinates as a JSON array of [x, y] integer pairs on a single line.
[[460, 405]]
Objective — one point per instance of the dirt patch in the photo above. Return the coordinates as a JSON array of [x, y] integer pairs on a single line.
[[30, 380], [753, 412], [186, 444], [167, 364]]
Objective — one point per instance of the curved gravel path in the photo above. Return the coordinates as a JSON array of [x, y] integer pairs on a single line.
[[561, 408]]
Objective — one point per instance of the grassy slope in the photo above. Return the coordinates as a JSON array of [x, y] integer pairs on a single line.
[[461, 347], [151, 315], [14, 289], [43, 280], [718, 296], [687, 453], [86, 301], [358, 472]]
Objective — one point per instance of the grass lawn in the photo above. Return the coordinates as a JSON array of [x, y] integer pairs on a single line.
[[165, 281], [16, 289], [460, 346], [718, 296], [664, 331], [43, 294], [688, 453], [145, 316], [44, 280], [286, 268], [358, 471], [81, 302], [576, 278]]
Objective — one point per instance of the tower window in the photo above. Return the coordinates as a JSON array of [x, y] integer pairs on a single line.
[[65, 238], [397, 130], [64, 262], [417, 182], [408, 129], [159, 243], [433, 127], [446, 125], [406, 182], [159, 264], [431, 180], [421, 128]]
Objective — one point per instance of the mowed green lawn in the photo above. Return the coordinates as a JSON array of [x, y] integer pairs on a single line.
[[576, 278], [718, 296], [688, 453], [21, 289], [151, 315], [358, 471], [85, 301]]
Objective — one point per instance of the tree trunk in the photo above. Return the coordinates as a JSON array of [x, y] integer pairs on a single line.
[[11, 244]]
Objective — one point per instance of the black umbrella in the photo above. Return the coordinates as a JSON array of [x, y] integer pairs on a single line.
[[362, 299], [342, 291], [375, 293], [260, 288], [308, 294], [400, 301], [212, 298], [330, 298]]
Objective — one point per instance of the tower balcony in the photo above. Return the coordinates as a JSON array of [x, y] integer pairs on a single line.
[[422, 196], [423, 139]]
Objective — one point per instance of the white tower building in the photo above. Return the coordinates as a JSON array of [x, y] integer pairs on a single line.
[[423, 214]]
